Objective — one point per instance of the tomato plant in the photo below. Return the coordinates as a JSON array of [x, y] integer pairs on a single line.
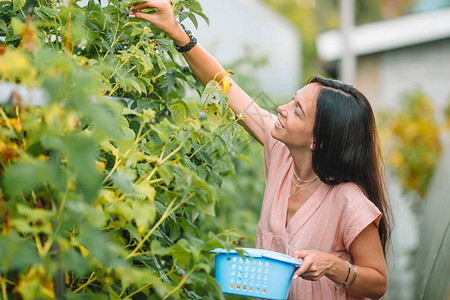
[[106, 186]]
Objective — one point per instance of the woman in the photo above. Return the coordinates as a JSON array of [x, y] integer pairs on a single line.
[[324, 201]]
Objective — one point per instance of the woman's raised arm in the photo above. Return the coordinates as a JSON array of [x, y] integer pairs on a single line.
[[204, 66]]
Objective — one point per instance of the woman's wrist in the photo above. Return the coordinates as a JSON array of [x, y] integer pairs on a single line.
[[338, 269], [341, 272], [179, 36]]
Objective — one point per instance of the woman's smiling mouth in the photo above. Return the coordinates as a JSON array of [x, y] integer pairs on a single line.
[[278, 123]]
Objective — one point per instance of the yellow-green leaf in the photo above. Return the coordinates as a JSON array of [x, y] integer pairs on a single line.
[[214, 116], [18, 4]]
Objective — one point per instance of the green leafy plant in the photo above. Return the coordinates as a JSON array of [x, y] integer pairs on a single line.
[[108, 197]]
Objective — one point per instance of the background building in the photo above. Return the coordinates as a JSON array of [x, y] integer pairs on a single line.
[[397, 56]]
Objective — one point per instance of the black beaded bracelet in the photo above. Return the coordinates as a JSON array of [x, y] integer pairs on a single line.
[[188, 46]]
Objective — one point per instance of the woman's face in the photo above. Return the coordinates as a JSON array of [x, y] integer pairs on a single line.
[[295, 123]]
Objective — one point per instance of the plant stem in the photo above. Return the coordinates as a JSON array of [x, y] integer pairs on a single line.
[[182, 282], [162, 152], [116, 164], [115, 34], [155, 181], [127, 59], [38, 244], [163, 161], [4, 292], [115, 88], [118, 161], [91, 279], [216, 135], [47, 246], [5, 117], [163, 217], [136, 291], [145, 286], [166, 214]]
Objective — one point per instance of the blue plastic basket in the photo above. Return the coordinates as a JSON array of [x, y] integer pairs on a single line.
[[261, 273]]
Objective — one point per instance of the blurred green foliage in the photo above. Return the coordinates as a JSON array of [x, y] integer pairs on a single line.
[[411, 137]]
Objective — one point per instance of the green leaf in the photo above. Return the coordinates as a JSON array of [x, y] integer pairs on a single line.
[[73, 261], [3, 26], [145, 214], [17, 26], [216, 178], [3, 3], [194, 20], [35, 214], [157, 249], [99, 246], [204, 267], [209, 91], [82, 154], [203, 16], [178, 110], [133, 232], [223, 102], [127, 133], [147, 63], [145, 190], [10, 35], [201, 171], [18, 4], [46, 13], [174, 230], [17, 253], [162, 70], [205, 156], [136, 31], [21, 177], [163, 130], [213, 115], [180, 252], [123, 181], [142, 86], [182, 16]]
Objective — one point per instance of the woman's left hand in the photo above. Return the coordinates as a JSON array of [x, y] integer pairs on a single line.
[[315, 264]]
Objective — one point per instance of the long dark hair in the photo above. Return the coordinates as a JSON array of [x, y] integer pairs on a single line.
[[347, 147]]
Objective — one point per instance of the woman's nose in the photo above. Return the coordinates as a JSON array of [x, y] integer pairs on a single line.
[[282, 109]]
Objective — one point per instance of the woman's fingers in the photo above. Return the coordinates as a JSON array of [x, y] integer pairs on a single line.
[[145, 4], [315, 264], [142, 16], [302, 253], [303, 268], [163, 18], [158, 4]]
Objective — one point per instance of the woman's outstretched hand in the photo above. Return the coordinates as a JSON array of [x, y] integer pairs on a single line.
[[163, 18]]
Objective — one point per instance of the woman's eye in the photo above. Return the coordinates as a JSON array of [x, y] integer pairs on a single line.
[[295, 112]]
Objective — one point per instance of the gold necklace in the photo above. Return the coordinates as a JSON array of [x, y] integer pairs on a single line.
[[304, 187], [301, 185], [301, 180]]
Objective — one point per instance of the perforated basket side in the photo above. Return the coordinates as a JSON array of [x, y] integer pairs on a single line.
[[260, 277]]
